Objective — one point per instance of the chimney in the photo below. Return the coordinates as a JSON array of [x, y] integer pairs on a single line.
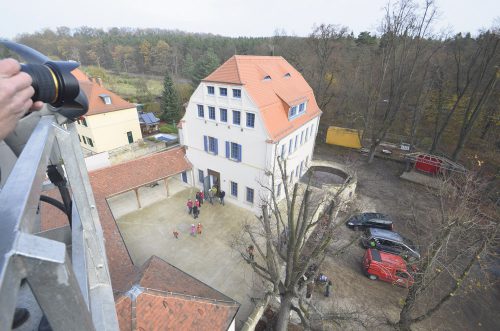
[[99, 81], [91, 79]]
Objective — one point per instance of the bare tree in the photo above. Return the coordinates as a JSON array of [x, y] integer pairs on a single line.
[[460, 236], [289, 240], [402, 51], [475, 74]]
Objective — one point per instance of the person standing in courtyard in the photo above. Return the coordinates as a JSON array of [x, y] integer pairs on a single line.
[[199, 228], [190, 206], [193, 230], [202, 197], [211, 196], [250, 252], [196, 210], [176, 234], [222, 194]]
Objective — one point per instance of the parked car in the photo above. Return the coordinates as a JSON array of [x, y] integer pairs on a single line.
[[369, 220], [386, 267], [390, 241]]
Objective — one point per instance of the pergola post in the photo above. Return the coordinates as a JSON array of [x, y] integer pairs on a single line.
[[166, 187], [136, 190]]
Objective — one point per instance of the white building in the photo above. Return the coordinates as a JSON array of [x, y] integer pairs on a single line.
[[240, 118]]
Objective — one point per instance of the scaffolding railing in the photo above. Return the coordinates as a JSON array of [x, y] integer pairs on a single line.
[[70, 280]]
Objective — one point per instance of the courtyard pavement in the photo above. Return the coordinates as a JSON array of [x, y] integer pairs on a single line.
[[208, 257]]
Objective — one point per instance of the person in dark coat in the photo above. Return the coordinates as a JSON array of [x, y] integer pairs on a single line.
[[222, 194]]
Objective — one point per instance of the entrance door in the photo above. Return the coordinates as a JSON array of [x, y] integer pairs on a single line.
[[130, 137], [214, 179]]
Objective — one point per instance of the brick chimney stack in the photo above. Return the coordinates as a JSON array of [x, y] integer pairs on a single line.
[[99, 81]]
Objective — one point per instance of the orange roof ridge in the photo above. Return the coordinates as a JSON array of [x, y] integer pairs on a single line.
[[237, 68]]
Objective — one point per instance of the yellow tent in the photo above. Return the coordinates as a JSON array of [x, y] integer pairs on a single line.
[[343, 137]]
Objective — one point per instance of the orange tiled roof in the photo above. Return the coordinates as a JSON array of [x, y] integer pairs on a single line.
[[285, 88], [111, 181], [166, 298], [93, 92]]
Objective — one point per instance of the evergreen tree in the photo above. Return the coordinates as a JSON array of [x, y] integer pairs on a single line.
[[207, 63], [170, 105]]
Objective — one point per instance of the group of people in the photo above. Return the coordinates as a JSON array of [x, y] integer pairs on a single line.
[[195, 206]]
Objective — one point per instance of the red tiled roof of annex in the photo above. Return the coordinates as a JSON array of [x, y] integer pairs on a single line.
[[284, 87], [113, 180], [166, 298], [95, 94]]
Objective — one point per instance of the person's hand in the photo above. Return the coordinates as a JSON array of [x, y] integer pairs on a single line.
[[15, 95]]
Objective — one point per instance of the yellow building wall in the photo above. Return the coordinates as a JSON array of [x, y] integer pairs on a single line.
[[109, 130], [343, 137]]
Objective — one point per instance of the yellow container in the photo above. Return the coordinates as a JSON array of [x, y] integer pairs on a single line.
[[343, 137]]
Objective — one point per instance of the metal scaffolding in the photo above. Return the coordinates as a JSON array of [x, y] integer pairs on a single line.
[[73, 289]]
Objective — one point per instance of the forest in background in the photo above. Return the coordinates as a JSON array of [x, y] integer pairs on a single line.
[[404, 84]]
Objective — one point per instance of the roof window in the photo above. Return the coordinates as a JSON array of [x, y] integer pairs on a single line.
[[106, 98], [287, 75], [267, 77]]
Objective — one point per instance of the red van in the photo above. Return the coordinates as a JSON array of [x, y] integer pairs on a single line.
[[387, 267]]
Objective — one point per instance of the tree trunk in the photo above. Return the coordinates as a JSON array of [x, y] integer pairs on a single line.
[[284, 312], [371, 154], [404, 319]]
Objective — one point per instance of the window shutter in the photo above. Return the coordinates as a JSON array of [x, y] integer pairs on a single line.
[[205, 143], [240, 151], [216, 147], [227, 149]]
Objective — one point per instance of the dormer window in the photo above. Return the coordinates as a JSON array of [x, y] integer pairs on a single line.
[[287, 75], [267, 77], [297, 110], [106, 98]]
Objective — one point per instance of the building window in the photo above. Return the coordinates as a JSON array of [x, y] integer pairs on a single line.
[[301, 137], [297, 173], [130, 137], [201, 112], [296, 141], [249, 194], [292, 112], [302, 107], [236, 93], [233, 151], [283, 148], [307, 133], [236, 117], [79, 138], [307, 160], [84, 139], [290, 146], [301, 168], [223, 91], [211, 113], [210, 144], [211, 90], [84, 121], [201, 176], [312, 129], [184, 177], [234, 189], [291, 176], [278, 190], [91, 143], [223, 115], [250, 120]]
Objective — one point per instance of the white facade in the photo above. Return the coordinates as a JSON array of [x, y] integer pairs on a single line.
[[258, 152]]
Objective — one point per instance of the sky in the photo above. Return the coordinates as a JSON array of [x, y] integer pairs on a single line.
[[233, 18]]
